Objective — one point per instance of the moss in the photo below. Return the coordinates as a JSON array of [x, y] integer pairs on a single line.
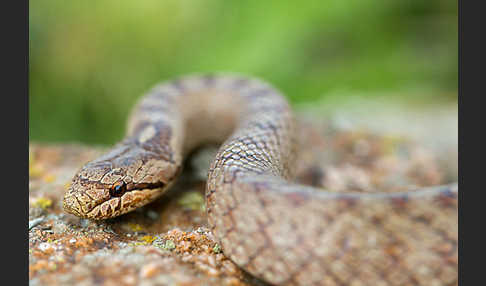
[[135, 227], [217, 248], [169, 245], [192, 200], [43, 203], [147, 239], [164, 244]]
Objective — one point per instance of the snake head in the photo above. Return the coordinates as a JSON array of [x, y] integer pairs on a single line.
[[120, 181]]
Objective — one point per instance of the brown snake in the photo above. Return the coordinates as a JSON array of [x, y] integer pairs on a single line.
[[276, 230]]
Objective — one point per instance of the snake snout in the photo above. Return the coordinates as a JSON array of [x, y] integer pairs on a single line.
[[82, 197], [71, 205]]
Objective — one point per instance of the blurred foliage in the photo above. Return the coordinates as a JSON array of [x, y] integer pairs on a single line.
[[91, 60]]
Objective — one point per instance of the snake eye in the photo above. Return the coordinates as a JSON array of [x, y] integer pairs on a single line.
[[118, 189]]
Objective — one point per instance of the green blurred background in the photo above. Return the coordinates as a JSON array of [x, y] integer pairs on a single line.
[[91, 60]]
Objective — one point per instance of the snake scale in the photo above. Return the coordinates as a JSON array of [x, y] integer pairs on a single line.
[[278, 231]]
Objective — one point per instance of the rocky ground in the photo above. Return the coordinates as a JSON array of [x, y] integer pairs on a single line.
[[168, 242]]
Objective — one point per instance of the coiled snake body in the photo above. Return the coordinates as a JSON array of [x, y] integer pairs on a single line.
[[279, 231]]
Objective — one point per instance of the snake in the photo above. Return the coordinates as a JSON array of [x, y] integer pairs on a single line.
[[273, 228]]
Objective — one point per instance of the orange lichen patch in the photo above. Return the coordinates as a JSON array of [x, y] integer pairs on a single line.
[[46, 248], [83, 242], [199, 249], [43, 265], [191, 242], [39, 265], [43, 203], [57, 252]]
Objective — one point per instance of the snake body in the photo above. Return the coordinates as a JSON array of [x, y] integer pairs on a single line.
[[279, 231]]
